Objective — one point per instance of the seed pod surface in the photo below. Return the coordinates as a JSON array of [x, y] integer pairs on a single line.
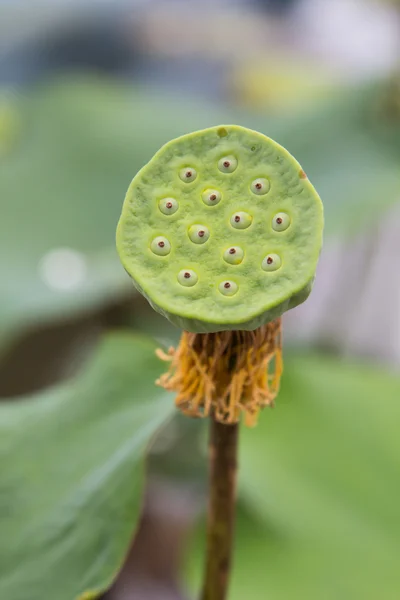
[[240, 228]]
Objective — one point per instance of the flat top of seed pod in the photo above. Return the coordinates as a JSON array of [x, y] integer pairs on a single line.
[[221, 226]]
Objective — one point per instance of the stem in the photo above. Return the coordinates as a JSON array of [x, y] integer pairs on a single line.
[[221, 510]]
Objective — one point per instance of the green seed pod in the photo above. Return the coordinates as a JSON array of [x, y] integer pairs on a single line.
[[231, 188]]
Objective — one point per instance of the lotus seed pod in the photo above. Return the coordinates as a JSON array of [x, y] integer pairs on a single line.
[[241, 226]]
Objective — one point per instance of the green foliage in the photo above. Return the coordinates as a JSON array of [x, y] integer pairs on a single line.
[[319, 477], [350, 149], [61, 187], [320, 472], [80, 142], [9, 126], [72, 473]]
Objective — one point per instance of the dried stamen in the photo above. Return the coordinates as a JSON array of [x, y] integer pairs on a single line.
[[227, 373]]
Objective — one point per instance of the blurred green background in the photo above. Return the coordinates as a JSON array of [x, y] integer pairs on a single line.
[[88, 92]]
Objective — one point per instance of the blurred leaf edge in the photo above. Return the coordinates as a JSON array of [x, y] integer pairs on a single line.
[[67, 525]]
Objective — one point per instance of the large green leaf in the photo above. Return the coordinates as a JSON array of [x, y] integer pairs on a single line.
[[62, 184], [319, 476], [323, 470], [80, 142], [71, 476]]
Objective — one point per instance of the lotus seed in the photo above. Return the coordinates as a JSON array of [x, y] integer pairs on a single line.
[[168, 206], [241, 220], [199, 234], [234, 255], [227, 164], [160, 246], [187, 277], [211, 197], [260, 186], [228, 288], [280, 222], [188, 174], [271, 262]]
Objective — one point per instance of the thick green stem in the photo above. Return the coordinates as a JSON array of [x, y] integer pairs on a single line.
[[221, 511]]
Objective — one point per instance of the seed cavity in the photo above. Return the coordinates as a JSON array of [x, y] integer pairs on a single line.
[[272, 262], [187, 278], [227, 164], [168, 206], [228, 288], [281, 221], [241, 220], [260, 186], [188, 174], [198, 234], [160, 246], [211, 197], [234, 255]]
